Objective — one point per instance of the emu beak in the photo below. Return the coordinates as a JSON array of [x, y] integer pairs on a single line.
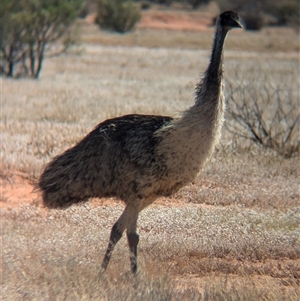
[[237, 24]]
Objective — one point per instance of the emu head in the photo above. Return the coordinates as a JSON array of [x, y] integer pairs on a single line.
[[228, 20]]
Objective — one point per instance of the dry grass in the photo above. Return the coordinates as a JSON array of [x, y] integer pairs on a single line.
[[267, 40], [56, 255], [242, 245], [78, 91]]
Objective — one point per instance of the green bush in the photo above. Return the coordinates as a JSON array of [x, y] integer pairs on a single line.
[[145, 5], [118, 15], [252, 22]]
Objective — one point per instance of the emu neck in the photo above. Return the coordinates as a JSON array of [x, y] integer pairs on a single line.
[[210, 87], [214, 72]]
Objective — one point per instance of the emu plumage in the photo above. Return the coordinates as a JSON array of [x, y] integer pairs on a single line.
[[138, 158]]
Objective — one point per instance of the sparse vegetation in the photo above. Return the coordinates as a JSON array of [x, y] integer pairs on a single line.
[[55, 255], [233, 234]]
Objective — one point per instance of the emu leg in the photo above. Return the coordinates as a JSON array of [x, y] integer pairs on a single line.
[[115, 236], [128, 220], [133, 240]]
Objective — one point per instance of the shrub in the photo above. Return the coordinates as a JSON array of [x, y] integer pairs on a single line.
[[196, 3], [118, 15], [145, 5], [88, 7], [265, 110], [252, 21]]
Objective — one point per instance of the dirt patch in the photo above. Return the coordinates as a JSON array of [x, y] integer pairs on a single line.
[[175, 20], [17, 189]]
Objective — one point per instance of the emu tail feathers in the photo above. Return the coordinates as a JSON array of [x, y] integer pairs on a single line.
[[72, 176], [61, 183]]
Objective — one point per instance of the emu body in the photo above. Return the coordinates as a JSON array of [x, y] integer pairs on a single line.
[[138, 158]]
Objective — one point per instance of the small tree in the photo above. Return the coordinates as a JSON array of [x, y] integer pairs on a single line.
[[12, 35], [118, 15], [29, 26]]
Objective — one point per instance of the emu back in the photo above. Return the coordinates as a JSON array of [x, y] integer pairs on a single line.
[[97, 166]]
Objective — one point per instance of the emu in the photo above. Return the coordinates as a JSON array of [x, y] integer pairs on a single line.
[[138, 158]]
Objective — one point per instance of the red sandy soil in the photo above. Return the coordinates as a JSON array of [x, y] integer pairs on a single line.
[[173, 19], [17, 189]]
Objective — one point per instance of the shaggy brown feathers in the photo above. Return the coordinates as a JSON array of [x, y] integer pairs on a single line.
[[138, 158]]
